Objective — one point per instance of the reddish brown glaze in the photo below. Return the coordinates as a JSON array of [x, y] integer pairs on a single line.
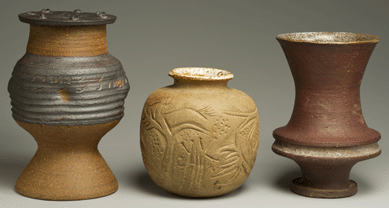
[[327, 110], [325, 171], [327, 133]]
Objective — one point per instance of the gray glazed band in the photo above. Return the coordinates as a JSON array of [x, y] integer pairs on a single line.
[[96, 87]]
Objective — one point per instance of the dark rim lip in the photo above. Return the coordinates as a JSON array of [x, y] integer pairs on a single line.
[[35, 20], [369, 38], [207, 74]]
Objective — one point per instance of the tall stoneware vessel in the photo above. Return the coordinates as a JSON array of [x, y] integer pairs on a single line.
[[327, 133], [199, 138], [67, 91]]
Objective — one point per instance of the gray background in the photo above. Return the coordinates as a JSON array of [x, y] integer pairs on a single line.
[[153, 37]]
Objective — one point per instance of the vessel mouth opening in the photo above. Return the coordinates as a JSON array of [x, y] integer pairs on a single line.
[[200, 73], [329, 38]]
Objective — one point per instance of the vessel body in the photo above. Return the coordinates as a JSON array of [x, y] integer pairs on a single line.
[[327, 133], [199, 138], [67, 91]]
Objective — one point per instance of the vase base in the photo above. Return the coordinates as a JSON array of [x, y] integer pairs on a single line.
[[64, 197], [300, 188], [67, 165], [67, 184], [325, 171]]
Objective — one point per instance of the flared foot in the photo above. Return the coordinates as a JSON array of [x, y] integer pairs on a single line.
[[305, 189], [325, 171], [66, 176], [67, 165]]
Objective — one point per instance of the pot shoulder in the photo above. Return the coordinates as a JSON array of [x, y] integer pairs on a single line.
[[220, 98]]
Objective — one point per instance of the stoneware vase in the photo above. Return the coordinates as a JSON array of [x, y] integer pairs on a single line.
[[199, 138], [67, 91], [327, 133]]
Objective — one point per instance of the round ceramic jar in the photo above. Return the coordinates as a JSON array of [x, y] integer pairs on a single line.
[[199, 138], [67, 91]]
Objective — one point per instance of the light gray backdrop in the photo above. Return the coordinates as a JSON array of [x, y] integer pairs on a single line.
[[153, 37]]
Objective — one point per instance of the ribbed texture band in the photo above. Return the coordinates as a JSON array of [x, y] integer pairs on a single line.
[[68, 90]]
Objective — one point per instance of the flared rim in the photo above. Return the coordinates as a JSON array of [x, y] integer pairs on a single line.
[[200, 73], [328, 38]]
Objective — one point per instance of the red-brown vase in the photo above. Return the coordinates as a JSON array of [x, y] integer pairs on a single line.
[[327, 133]]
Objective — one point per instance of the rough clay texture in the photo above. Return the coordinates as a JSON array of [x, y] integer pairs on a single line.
[[199, 138], [67, 165], [67, 41], [329, 38], [327, 110], [328, 152], [67, 92], [66, 18], [327, 133]]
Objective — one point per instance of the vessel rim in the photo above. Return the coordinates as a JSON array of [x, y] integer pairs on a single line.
[[338, 38], [66, 18], [201, 74]]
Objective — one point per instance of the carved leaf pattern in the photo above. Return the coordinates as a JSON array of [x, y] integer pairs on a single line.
[[188, 141], [154, 119], [230, 163], [207, 111], [239, 157]]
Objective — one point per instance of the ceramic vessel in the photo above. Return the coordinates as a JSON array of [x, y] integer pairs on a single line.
[[199, 138], [67, 91], [327, 133]]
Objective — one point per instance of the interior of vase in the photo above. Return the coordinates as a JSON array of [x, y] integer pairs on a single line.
[[200, 73], [329, 37]]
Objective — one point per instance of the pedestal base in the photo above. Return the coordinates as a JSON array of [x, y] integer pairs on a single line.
[[325, 171], [299, 187], [67, 164]]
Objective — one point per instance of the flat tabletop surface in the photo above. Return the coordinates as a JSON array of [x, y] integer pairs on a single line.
[[152, 37]]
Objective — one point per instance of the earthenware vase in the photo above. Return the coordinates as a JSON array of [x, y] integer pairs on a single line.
[[67, 91], [327, 133], [199, 138]]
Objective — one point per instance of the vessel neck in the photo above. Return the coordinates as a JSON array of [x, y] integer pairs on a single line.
[[199, 83], [327, 79], [75, 41]]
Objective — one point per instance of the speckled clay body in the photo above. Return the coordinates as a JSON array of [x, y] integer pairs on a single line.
[[199, 138], [67, 91], [327, 133]]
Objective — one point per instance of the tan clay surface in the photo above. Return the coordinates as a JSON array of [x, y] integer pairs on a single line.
[[67, 41], [199, 138], [74, 97], [67, 165]]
